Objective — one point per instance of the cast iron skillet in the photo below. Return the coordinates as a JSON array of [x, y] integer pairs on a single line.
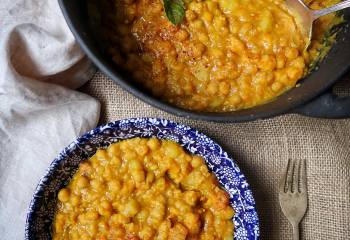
[[313, 98]]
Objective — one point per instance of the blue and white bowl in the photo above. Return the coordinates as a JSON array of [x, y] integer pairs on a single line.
[[43, 205]]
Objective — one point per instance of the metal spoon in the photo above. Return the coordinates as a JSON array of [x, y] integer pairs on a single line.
[[305, 16]]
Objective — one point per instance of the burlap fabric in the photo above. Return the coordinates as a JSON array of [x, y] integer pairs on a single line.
[[261, 149]]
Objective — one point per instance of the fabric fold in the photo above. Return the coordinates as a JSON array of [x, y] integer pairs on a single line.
[[40, 113]]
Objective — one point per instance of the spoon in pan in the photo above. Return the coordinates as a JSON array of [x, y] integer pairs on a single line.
[[305, 16]]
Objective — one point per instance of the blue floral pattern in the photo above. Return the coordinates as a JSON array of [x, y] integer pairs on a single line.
[[43, 205]]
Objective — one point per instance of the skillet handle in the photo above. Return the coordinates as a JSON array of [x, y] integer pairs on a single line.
[[327, 105]]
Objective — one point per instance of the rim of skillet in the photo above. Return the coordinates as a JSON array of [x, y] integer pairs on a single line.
[[239, 115], [232, 180]]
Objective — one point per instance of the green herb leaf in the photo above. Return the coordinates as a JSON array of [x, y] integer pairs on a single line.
[[174, 10]]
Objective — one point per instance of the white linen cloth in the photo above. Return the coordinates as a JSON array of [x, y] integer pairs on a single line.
[[39, 114]]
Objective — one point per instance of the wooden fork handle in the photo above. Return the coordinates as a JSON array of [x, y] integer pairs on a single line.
[[296, 231]]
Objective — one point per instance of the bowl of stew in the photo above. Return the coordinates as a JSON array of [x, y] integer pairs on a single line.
[[143, 178], [215, 60]]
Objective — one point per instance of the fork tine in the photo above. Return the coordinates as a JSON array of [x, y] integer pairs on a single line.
[[290, 172], [283, 179], [283, 186], [296, 176], [303, 176]]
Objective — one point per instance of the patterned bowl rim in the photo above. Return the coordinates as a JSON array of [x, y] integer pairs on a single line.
[[248, 227]]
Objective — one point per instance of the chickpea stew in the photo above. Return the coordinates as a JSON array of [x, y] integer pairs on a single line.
[[143, 189], [226, 55]]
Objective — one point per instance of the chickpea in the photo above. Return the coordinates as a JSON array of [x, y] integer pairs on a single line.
[[220, 22], [131, 227], [118, 233], [104, 212], [235, 99], [116, 161], [282, 77], [64, 195], [196, 7], [101, 154], [91, 215], [128, 187], [246, 30], [178, 232], [131, 208], [156, 215], [172, 150], [130, 155], [153, 144], [174, 173], [138, 175], [276, 86], [119, 219], [212, 88], [59, 226], [142, 215], [92, 229], [227, 213], [75, 200], [190, 15], [106, 205], [217, 53], [203, 38], [85, 168], [224, 88], [192, 222], [196, 161], [113, 150], [299, 62], [114, 185], [294, 73], [160, 184], [97, 185], [74, 236], [280, 61], [146, 233], [198, 49], [207, 16], [85, 236], [182, 35], [82, 182], [182, 206], [108, 174], [291, 53], [283, 42], [191, 197], [267, 63], [103, 225], [198, 24], [135, 164], [236, 45]]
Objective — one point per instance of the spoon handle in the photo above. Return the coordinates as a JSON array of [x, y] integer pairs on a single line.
[[319, 13]]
